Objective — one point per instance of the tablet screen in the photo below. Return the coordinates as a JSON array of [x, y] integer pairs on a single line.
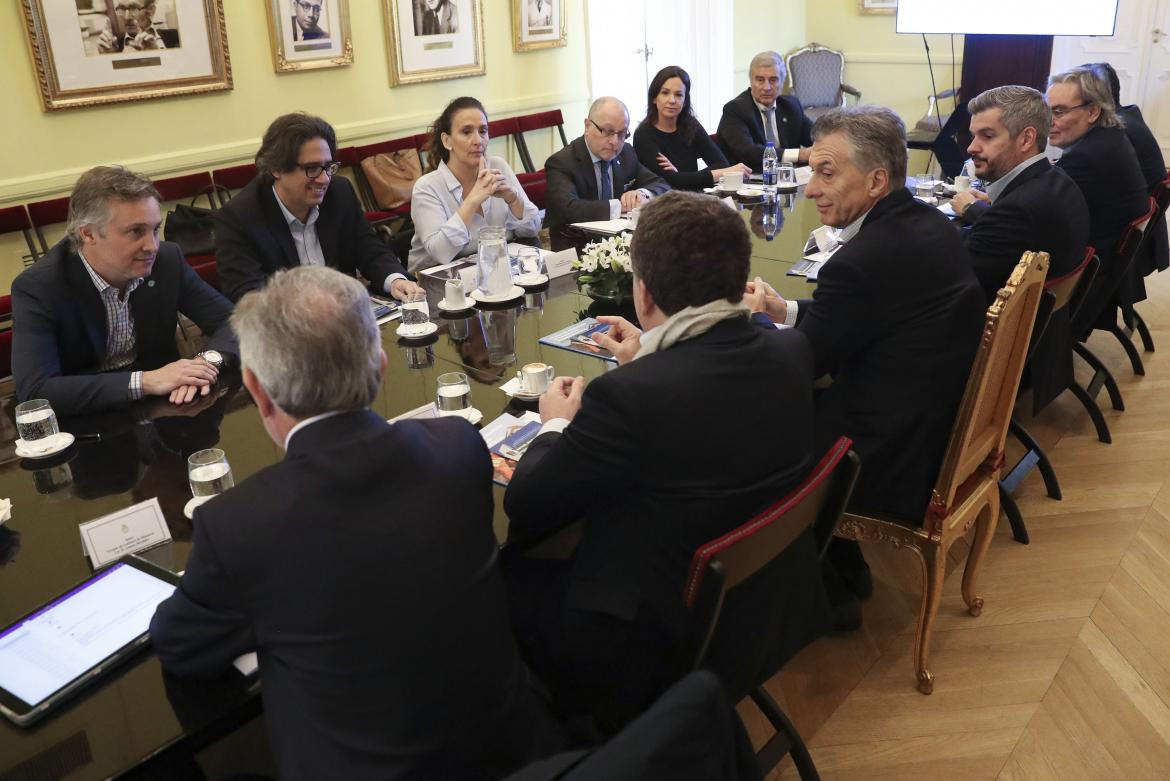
[[57, 644]]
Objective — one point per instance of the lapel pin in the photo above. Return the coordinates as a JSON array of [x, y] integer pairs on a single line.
[[150, 283]]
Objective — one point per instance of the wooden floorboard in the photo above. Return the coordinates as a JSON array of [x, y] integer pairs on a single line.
[[1066, 674]]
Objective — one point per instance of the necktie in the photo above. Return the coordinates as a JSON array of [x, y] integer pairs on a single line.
[[769, 117], [606, 185]]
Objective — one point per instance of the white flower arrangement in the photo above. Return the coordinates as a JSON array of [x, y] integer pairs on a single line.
[[606, 267]]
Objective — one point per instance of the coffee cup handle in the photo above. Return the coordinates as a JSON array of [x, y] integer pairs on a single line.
[[549, 373]]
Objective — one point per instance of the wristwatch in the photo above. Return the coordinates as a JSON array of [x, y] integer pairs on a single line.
[[214, 357]]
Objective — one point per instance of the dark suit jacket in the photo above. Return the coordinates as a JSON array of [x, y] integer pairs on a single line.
[[1040, 210], [1156, 253], [661, 458], [311, 34], [362, 570], [895, 317], [59, 328], [741, 128], [253, 241], [572, 194]]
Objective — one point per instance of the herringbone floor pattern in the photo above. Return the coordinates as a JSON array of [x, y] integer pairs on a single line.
[[1066, 675]]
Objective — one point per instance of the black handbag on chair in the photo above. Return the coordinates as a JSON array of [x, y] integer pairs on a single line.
[[191, 228]]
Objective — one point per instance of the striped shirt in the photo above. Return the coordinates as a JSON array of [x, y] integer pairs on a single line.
[[120, 341]]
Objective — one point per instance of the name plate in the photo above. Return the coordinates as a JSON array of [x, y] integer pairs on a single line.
[[132, 530], [560, 263]]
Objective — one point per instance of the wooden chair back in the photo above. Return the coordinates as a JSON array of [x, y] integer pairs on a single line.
[[977, 439]]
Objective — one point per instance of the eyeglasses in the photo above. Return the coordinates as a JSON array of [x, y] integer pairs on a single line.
[[310, 8], [313, 170], [623, 134], [1060, 111]]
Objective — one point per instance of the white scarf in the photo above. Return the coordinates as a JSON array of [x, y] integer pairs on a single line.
[[690, 322]]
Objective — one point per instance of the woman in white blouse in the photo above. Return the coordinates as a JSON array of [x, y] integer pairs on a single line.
[[465, 191]]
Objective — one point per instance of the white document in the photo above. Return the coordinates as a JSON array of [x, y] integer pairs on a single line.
[[247, 663], [134, 529], [803, 174], [425, 412], [947, 209], [610, 227]]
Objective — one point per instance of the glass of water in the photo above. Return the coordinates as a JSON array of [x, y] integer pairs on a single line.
[[35, 420], [530, 263], [786, 175], [415, 314], [209, 472], [924, 186], [454, 394]]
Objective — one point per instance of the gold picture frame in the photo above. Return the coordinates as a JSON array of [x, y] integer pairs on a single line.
[[306, 41], [180, 49], [877, 6], [430, 40], [536, 27]]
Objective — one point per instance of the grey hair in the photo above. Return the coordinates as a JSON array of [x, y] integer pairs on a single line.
[[602, 102], [310, 338], [89, 203], [877, 137], [1094, 91], [1021, 107], [767, 59]]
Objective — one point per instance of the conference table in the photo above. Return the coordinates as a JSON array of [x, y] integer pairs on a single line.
[[138, 717]]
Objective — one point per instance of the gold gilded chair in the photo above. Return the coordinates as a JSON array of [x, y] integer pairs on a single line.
[[966, 492]]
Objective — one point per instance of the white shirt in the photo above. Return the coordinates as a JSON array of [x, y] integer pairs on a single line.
[[440, 235], [996, 188], [615, 204], [846, 234], [786, 155], [308, 422]]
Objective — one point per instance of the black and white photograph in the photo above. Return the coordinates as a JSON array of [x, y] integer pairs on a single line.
[[435, 17], [538, 24], [117, 26], [309, 34], [305, 23], [430, 40]]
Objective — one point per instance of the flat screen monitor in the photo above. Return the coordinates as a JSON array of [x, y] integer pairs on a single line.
[[1008, 17]]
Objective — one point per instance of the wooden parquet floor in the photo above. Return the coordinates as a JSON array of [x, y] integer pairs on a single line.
[[1066, 675]]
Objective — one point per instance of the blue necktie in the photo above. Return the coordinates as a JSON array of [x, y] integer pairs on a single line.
[[606, 186], [769, 133]]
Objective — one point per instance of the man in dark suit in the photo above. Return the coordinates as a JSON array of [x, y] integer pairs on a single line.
[[597, 176], [654, 459], [361, 569], [297, 213], [134, 29], [1099, 158], [1029, 205], [306, 20], [761, 114], [94, 320], [895, 319]]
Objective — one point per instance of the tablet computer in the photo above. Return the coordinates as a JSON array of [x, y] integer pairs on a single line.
[[50, 654]]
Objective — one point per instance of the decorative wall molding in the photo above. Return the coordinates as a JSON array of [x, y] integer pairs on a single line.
[[59, 182]]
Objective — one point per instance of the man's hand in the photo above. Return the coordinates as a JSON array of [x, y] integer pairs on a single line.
[[562, 399], [624, 339], [183, 373], [802, 154], [964, 199], [403, 288], [632, 199], [144, 41], [106, 42], [762, 297]]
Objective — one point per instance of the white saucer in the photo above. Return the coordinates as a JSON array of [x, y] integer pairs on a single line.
[[426, 330], [725, 190], [195, 501], [515, 292], [52, 445], [471, 415], [787, 186], [750, 192], [531, 280], [445, 307]]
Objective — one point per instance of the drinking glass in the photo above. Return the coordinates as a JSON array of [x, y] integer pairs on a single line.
[[530, 263], [209, 472], [415, 314], [924, 186], [454, 392], [786, 175], [35, 420]]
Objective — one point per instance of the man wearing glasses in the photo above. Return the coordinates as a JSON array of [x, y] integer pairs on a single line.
[[1097, 155], [306, 20], [134, 29], [297, 212], [597, 176]]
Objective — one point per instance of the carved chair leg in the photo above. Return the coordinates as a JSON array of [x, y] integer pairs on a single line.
[[934, 570], [984, 532]]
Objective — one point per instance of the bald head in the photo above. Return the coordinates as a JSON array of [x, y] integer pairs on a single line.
[[607, 127]]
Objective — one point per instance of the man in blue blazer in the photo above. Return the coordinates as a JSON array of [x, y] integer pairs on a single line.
[[760, 114], [94, 320], [361, 568]]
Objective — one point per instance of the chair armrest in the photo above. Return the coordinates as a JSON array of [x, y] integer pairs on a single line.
[[851, 90]]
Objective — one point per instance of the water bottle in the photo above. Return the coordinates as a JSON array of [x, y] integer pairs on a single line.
[[771, 162]]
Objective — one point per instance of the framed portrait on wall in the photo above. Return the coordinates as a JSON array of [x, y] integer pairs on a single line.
[[538, 24], [309, 34], [877, 6], [97, 52], [434, 39]]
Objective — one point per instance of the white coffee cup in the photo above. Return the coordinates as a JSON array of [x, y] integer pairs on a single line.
[[454, 297], [962, 183], [731, 181], [535, 377]]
